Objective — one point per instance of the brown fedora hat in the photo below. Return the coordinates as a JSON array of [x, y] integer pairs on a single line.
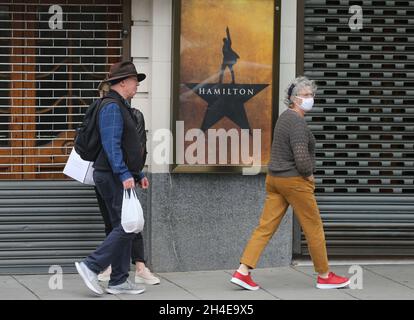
[[122, 70]]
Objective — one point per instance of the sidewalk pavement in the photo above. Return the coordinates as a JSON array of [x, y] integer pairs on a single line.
[[380, 282]]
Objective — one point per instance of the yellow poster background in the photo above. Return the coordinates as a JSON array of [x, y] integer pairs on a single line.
[[203, 27]]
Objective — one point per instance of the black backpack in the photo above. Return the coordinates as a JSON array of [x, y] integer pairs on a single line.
[[87, 142], [142, 135]]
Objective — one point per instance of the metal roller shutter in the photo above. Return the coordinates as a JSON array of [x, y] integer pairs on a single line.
[[44, 223], [363, 122]]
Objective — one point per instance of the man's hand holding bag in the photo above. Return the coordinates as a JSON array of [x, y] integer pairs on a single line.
[[132, 216]]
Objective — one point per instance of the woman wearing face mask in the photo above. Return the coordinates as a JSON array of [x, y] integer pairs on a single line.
[[290, 181]]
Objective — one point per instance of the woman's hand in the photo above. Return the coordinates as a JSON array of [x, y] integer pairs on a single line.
[[310, 178], [144, 183]]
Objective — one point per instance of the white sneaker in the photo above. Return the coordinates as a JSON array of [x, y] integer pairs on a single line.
[[127, 287], [145, 276], [105, 275], [89, 277]]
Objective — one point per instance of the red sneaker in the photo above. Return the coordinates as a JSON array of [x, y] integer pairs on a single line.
[[332, 282], [243, 281]]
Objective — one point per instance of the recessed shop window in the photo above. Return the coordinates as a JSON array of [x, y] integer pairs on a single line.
[[48, 77]]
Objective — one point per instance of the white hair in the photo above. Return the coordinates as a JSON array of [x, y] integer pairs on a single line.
[[297, 85]]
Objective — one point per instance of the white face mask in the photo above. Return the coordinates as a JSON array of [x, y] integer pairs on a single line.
[[307, 104]]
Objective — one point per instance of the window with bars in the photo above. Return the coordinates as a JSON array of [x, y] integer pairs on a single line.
[[48, 77]]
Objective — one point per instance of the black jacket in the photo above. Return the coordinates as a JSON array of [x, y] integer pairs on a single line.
[[133, 155]]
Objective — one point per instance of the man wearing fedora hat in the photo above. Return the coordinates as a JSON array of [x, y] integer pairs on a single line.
[[142, 273], [117, 167]]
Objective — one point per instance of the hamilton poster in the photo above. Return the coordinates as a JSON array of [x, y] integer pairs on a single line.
[[225, 80]]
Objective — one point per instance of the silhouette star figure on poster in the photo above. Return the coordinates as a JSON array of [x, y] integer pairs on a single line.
[[229, 57]]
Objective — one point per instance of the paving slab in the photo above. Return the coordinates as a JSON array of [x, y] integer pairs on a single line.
[[375, 286], [403, 274], [214, 285], [386, 282], [286, 283], [73, 288], [166, 290], [12, 289]]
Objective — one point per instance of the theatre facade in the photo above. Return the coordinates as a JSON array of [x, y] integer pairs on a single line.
[[217, 71]]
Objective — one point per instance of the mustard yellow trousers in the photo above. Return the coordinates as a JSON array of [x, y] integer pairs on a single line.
[[282, 192]]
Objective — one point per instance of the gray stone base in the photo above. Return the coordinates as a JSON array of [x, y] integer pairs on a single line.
[[203, 221]]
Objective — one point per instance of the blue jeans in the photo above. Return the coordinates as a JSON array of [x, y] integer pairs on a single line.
[[115, 250], [137, 253]]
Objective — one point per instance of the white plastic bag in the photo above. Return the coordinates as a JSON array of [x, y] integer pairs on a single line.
[[132, 216]]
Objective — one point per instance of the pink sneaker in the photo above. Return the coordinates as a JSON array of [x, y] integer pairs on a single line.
[[332, 282], [145, 276], [243, 281]]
